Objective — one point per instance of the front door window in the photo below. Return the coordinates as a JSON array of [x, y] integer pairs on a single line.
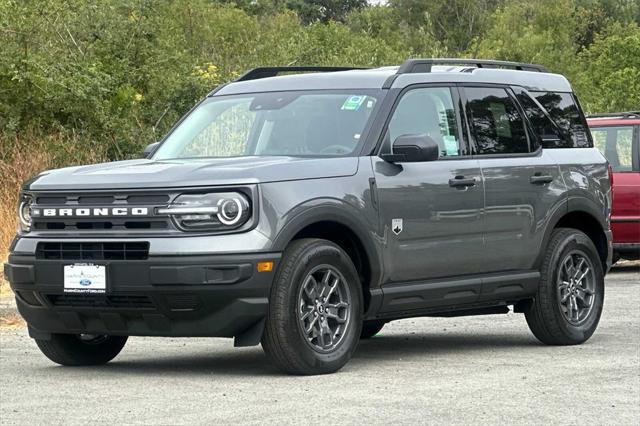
[[428, 111]]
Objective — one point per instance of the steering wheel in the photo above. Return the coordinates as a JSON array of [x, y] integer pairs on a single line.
[[336, 149]]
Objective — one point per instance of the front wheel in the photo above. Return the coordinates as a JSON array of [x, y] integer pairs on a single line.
[[570, 297], [315, 309], [81, 349]]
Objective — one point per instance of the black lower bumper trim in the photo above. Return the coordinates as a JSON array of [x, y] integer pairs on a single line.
[[228, 321], [216, 296]]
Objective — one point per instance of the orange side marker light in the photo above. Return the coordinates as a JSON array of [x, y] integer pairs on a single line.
[[265, 266]]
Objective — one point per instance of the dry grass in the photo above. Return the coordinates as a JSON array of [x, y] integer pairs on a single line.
[[20, 166], [22, 157], [26, 155]]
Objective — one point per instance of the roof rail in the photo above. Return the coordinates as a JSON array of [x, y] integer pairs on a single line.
[[424, 65], [264, 72], [626, 114]]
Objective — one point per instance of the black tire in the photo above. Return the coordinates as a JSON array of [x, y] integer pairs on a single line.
[[547, 318], [76, 350], [284, 340], [371, 328]]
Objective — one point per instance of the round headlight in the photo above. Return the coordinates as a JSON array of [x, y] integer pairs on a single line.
[[229, 211], [24, 213]]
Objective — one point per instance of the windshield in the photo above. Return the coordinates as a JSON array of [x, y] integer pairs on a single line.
[[315, 123]]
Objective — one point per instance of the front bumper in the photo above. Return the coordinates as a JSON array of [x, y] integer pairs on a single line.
[[196, 295]]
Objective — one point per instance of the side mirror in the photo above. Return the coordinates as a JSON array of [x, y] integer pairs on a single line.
[[150, 149], [413, 149]]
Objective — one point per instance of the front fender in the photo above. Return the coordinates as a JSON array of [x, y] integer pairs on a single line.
[[289, 207], [327, 210]]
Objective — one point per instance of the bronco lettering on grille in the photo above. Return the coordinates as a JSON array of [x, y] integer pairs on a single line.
[[91, 212]]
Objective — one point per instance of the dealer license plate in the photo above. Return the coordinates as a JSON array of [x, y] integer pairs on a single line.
[[85, 278]]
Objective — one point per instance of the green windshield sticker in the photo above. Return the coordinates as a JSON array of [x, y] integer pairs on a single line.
[[353, 103], [450, 145]]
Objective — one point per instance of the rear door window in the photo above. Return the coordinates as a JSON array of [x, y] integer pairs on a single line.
[[497, 125], [616, 144], [564, 111]]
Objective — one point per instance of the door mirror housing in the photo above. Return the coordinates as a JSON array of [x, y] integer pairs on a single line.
[[150, 149], [413, 149]]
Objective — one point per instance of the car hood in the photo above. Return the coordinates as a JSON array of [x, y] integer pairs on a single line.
[[192, 172]]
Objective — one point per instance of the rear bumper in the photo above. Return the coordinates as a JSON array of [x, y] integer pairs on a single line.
[[221, 295]]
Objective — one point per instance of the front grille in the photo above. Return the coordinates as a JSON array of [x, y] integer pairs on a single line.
[[103, 199], [98, 225], [101, 225], [93, 251], [100, 301]]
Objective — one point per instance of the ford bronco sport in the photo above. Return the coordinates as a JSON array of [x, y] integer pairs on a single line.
[[304, 211]]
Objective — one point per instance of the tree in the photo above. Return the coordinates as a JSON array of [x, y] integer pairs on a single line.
[[324, 10], [387, 26], [455, 23], [538, 31], [609, 77], [309, 11]]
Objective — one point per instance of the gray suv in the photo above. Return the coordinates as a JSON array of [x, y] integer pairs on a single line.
[[305, 211]]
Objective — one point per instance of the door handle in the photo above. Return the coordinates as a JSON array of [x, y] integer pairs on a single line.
[[540, 178], [461, 181]]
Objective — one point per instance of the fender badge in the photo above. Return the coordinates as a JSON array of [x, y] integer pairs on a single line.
[[396, 226]]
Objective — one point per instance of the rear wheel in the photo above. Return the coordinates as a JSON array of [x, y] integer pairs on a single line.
[[371, 328], [569, 300], [315, 309], [81, 349]]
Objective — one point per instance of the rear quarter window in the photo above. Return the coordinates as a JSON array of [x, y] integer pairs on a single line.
[[563, 109]]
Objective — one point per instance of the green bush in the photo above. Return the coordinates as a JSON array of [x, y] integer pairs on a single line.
[[110, 76], [610, 78]]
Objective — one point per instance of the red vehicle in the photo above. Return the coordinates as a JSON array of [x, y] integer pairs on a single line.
[[617, 136]]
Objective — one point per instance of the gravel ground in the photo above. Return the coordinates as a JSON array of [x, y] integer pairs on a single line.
[[438, 371]]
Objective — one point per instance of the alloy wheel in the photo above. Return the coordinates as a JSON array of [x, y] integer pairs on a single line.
[[576, 287], [324, 308]]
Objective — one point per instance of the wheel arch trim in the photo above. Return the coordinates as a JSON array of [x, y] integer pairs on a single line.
[[575, 205], [341, 214]]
